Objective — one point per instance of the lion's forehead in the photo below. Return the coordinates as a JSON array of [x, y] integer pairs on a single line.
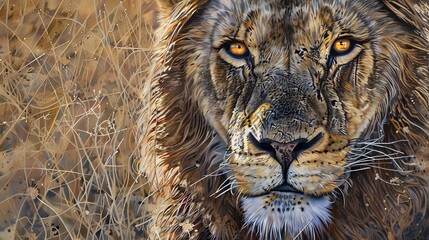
[[279, 24]]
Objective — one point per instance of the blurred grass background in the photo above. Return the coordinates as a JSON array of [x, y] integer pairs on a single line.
[[70, 74]]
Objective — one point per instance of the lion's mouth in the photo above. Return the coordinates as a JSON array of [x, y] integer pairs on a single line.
[[285, 154], [286, 188]]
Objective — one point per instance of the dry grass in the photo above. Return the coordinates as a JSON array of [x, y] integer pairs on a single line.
[[70, 73]]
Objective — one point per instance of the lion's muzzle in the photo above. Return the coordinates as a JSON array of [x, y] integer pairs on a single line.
[[262, 162]]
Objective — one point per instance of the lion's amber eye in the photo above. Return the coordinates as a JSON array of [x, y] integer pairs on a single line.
[[237, 49], [342, 45]]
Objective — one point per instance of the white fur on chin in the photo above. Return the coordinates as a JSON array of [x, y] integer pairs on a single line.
[[280, 215]]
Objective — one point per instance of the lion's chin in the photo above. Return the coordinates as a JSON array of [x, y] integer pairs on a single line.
[[280, 215]]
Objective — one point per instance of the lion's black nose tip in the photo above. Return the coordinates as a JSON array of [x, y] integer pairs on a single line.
[[285, 153]]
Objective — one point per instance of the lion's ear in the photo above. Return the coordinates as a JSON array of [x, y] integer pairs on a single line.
[[167, 4], [406, 11], [184, 7]]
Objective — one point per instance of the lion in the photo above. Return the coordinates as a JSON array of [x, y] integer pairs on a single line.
[[288, 120]]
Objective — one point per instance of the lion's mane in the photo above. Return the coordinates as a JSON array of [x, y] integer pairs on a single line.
[[176, 139]]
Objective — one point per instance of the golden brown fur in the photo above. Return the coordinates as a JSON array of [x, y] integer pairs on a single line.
[[366, 113]]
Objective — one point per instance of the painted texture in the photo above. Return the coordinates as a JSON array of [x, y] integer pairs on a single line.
[[91, 112]]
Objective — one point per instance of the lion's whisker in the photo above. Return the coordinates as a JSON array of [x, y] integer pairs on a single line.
[[357, 170], [224, 184], [393, 159], [334, 193], [367, 166], [213, 174], [302, 230], [377, 142], [385, 147], [239, 196], [369, 160], [230, 189], [369, 153]]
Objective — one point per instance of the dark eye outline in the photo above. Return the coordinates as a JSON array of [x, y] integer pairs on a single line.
[[227, 47], [341, 58], [335, 53]]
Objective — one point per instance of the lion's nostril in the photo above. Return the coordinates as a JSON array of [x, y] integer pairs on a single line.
[[263, 145], [305, 145]]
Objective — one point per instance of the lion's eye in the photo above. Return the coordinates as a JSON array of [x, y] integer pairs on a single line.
[[234, 52], [342, 45], [343, 50], [237, 49]]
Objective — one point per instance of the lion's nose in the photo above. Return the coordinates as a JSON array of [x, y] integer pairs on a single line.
[[285, 153]]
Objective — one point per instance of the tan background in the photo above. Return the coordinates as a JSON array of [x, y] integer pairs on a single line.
[[70, 73]]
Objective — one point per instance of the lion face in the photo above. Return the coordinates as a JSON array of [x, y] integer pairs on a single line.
[[290, 87]]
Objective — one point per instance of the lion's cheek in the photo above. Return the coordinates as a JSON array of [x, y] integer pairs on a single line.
[[255, 175], [358, 118]]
